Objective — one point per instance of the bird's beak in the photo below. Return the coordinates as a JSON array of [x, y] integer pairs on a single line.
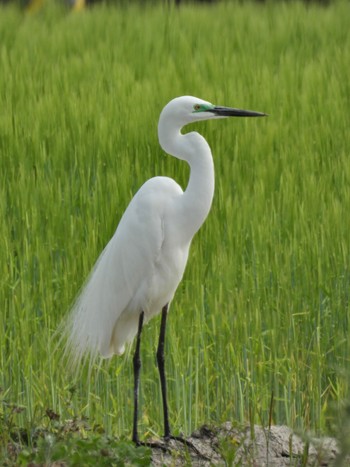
[[230, 112]]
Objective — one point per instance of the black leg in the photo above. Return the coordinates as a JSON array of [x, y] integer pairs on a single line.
[[137, 367], [160, 361]]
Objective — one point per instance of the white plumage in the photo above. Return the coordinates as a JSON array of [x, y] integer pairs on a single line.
[[142, 265], [138, 272], [139, 269]]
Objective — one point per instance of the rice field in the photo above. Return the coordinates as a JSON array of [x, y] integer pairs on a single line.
[[263, 310]]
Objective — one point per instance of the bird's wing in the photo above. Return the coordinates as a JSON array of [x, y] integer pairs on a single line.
[[115, 285]]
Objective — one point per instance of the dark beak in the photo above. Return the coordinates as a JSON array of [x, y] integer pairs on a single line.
[[230, 112]]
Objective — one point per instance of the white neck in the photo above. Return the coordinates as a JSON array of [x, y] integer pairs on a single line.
[[196, 200]]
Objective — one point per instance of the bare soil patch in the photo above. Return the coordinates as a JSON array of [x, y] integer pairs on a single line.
[[277, 446]]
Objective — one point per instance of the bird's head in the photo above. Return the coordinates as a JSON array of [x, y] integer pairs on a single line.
[[187, 109]]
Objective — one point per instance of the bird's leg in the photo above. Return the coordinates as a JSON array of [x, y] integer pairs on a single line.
[[160, 361], [137, 367]]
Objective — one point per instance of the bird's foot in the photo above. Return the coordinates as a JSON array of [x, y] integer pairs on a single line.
[[152, 445], [187, 443], [164, 445]]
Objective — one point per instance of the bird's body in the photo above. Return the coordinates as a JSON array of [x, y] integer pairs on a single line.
[[140, 269], [144, 261], [134, 272]]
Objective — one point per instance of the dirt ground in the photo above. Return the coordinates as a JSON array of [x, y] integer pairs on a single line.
[[276, 446]]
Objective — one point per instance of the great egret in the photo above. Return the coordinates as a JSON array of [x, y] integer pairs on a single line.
[[138, 272]]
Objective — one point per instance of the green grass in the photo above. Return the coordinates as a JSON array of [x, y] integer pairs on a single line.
[[264, 304]]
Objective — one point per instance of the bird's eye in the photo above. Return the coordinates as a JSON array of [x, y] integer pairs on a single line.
[[197, 107]]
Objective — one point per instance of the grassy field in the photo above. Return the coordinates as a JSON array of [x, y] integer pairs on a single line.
[[264, 305]]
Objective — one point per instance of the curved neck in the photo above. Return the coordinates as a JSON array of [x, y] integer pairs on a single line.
[[199, 193], [197, 198]]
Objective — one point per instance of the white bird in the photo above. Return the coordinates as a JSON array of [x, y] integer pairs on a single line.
[[138, 272]]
